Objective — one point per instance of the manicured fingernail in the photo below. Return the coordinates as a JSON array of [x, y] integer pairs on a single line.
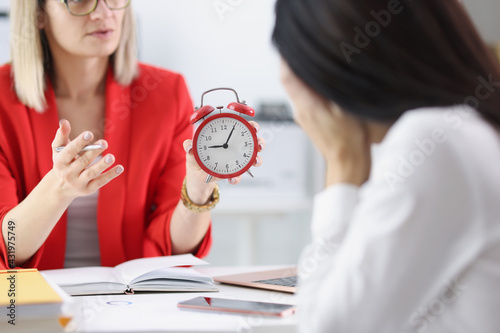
[[258, 160], [60, 122], [257, 128], [87, 136], [109, 159], [232, 181], [189, 149], [260, 147], [119, 169]]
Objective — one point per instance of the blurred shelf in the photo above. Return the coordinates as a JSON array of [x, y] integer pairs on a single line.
[[263, 205]]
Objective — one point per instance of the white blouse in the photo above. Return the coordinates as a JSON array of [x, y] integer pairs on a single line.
[[417, 247]]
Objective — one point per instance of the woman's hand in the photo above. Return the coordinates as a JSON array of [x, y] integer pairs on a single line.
[[341, 138], [199, 192], [74, 171]]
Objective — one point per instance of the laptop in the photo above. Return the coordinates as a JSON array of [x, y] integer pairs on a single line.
[[283, 279]]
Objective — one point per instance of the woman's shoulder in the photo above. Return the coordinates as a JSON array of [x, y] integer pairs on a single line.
[[443, 125], [161, 93], [7, 92], [5, 76], [438, 143]]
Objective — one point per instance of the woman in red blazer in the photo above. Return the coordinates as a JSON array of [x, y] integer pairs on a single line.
[[74, 80]]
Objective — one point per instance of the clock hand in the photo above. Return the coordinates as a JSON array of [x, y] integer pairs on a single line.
[[230, 135], [225, 146]]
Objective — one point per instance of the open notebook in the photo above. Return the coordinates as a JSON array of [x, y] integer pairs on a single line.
[[147, 274]]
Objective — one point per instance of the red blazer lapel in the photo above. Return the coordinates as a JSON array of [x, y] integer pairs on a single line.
[[111, 202]]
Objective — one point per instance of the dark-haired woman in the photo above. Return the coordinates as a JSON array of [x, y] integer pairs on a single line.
[[406, 239]]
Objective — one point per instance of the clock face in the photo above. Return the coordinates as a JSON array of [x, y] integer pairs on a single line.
[[225, 145]]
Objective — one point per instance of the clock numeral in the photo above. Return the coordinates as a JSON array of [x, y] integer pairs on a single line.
[[246, 144], [208, 138], [214, 130], [244, 133], [204, 147], [223, 127], [227, 166], [208, 158], [237, 162], [245, 155], [216, 164]]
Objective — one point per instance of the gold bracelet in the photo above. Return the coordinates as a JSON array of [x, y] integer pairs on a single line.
[[214, 200]]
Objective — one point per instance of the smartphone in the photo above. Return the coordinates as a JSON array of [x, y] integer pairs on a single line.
[[238, 306]]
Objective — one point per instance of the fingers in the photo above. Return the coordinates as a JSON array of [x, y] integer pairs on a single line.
[[83, 160], [254, 125], [73, 148], [234, 181], [77, 169], [85, 176], [62, 134], [96, 169], [105, 178], [258, 161], [262, 144], [188, 146]]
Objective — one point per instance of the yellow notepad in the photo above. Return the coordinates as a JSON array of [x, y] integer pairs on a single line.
[[25, 287]]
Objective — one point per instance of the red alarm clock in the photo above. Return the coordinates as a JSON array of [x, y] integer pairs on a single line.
[[225, 144]]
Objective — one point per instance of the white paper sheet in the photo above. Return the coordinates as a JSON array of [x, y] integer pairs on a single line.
[[134, 268], [123, 273]]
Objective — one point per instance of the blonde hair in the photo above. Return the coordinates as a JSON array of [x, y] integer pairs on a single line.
[[31, 59]]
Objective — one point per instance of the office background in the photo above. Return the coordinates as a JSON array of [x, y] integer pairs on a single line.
[[216, 43]]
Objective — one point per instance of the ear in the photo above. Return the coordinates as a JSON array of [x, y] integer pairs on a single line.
[[41, 18], [334, 108]]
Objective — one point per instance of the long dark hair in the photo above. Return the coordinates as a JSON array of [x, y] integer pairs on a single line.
[[380, 58]]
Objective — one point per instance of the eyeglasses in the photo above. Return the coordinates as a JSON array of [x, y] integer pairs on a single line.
[[85, 7]]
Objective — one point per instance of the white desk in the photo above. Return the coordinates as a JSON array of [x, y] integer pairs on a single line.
[[159, 312]]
